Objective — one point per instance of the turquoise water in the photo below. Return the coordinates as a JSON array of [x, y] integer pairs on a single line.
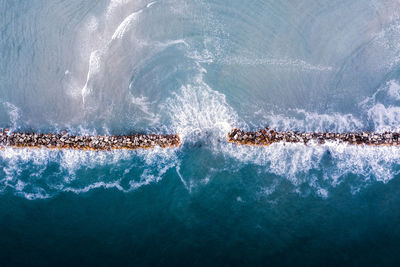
[[199, 68]]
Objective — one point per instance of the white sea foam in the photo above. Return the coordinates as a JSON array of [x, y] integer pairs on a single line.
[[94, 40], [144, 104], [151, 4], [311, 121], [94, 68], [170, 43], [286, 63], [296, 162], [270, 189], [125, 24], [335, 162], [116, 6], [197, 109], [188, 187], [13, 113], [394, 89], [94, 186], [387, 40], [24, 170], [384, 117]]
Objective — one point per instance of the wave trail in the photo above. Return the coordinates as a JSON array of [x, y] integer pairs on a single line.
[[124, 26], [43, 173]]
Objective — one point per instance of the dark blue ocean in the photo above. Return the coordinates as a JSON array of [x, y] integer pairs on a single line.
[[200, 68]]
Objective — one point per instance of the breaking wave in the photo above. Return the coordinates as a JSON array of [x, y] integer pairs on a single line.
[[183, 67], [43, 173]]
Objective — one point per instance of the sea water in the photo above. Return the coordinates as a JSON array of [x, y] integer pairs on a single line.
[[200, 68]]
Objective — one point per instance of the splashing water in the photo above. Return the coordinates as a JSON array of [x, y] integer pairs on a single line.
[[129, 74], [199, 68]]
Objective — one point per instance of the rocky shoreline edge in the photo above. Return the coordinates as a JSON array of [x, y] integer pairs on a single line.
[[265, 137], [80, 142]]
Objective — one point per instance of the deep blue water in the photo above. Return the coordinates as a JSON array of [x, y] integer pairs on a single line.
[[199, 68]]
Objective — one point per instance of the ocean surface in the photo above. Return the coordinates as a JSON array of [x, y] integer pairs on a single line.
[[200, 68]]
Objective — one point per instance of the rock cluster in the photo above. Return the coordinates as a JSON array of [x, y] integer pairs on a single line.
[[267, 137], [66, 141]]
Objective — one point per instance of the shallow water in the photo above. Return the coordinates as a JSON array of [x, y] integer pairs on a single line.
[[200, 68]]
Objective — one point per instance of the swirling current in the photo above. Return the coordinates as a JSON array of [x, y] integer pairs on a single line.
[[200, 68]]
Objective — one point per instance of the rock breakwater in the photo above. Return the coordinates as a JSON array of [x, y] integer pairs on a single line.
[[65, 141], [267, 137]]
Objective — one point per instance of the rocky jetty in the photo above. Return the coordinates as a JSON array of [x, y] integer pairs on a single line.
[[65, 141], [267, 136]]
